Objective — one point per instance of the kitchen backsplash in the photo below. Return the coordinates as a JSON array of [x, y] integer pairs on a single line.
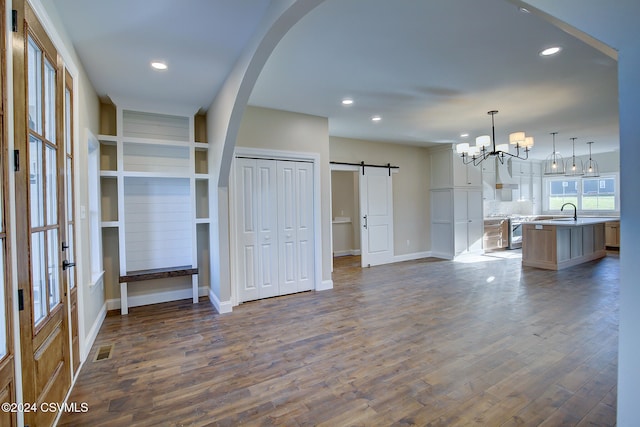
[[497, 207]]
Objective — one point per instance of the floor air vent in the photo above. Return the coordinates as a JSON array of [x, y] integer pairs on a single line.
[[103, 353]]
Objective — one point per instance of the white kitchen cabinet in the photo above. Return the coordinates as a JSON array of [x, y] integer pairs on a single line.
[[488, 168], [441, 175], [456, 204], [612, 234], [466, 175], [520, 168], [468, 221]]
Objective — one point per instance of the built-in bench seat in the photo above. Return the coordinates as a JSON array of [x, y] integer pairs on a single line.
[[156, 273]]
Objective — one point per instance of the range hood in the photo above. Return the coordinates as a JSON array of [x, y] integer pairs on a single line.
[[504, 176]]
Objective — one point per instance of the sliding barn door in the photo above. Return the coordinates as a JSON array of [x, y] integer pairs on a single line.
[[274, 227], [376, 211]]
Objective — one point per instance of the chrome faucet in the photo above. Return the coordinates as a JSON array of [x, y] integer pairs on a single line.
[[575, 210]]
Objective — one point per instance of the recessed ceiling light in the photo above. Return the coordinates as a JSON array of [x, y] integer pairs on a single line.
[[159, 65], [376, 118], [524, 10], [551, 51], [347, 101], [464, 135]]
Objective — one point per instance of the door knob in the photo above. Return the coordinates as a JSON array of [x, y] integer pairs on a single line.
[[66, 264]]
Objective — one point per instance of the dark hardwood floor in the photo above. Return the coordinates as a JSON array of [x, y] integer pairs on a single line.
[[427, 343]]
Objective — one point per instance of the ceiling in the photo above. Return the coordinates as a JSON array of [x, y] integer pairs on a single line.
[[430, 69]]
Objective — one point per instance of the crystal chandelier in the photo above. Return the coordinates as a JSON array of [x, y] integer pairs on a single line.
[[554, 163], [486, 146]]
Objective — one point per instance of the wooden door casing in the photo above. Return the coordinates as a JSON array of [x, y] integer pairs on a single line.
[[7, 361], [44, 345], [69, 200]]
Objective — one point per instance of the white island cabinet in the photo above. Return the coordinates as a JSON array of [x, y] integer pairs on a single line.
[[560, 243]]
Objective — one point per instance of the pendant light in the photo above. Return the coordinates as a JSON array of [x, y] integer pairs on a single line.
[[591, 167], [574, 167], [554, 163]]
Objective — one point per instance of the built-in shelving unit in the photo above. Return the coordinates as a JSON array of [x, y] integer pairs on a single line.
[[154, 180]]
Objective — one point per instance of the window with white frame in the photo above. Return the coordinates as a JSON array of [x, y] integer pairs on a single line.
[[597, 195]]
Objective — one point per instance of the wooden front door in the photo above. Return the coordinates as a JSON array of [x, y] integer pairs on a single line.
[[7, 369], [40, 219]]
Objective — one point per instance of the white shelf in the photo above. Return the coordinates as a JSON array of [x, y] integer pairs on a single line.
[[151, 185], [150, 141], [106, 139], [133, 174]]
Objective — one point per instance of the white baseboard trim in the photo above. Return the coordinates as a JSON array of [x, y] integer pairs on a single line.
[[442, 255], [156, 298], [222, 307], [346, 253], [93, 333], [411, 257], [325, 285]]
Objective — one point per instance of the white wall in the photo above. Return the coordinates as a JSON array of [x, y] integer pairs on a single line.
[[281, 130], [345, 203], [223, 121], [607, 162], [615, 24], [410, 187]]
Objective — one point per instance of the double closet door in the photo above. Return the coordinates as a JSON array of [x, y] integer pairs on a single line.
[[274, 227]]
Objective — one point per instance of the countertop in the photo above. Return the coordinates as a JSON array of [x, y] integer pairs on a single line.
[[570, 222]]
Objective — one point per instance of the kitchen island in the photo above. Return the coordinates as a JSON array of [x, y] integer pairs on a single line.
[[559, 243]]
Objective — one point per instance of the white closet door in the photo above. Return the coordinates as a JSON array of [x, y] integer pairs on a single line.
[[257, 255], [295, 229], [305, 235]]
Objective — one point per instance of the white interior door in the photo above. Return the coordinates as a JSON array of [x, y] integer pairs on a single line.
[[295, 226], [257, 251], [376, 212]]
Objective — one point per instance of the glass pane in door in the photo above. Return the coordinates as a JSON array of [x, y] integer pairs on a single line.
[[34, 57], [69, 194], [52, 187], [50, 101], [53, 269], [35, 181], [38, 277], [67, 121]]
